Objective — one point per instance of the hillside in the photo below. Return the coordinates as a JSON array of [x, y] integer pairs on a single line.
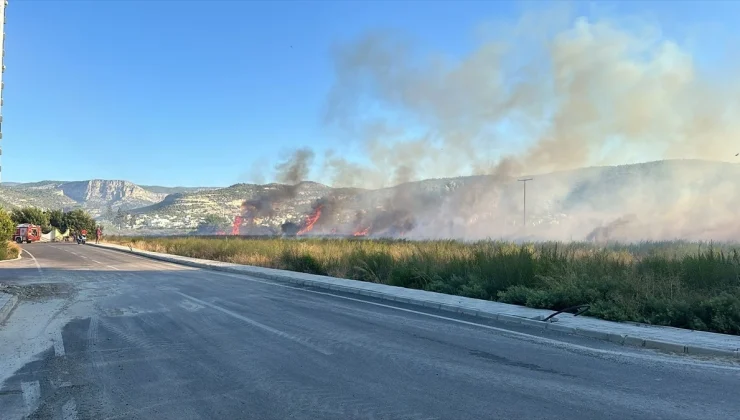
[[38, 195], [186, 210], [659, 200], [96, 196], [175, 190]]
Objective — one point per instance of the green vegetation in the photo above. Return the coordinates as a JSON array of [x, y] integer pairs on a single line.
[[681, 284], [212, 224], [75, 219], [8, 249], [32, 215], [7, 226]]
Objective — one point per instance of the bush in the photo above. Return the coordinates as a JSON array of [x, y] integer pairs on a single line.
[[10, 251], [680, 284], [7, 227]]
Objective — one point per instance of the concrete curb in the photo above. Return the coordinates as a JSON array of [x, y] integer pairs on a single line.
[[323, 282], [14, 259], [7, 307]]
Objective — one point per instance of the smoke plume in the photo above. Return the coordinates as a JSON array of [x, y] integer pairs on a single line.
[[290, 173], [537, 97], [590, 93], [296, 167]]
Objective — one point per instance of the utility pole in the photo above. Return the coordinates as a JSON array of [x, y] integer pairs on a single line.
[[3, 6], [524, 215]]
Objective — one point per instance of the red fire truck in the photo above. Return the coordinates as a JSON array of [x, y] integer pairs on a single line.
[[27, 232]]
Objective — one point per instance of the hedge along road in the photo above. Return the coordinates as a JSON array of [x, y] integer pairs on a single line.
[[103, 334]]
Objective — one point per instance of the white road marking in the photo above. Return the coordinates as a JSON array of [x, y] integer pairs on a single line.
[[257, 324], [58, 343], [110, 266], [38, 267], [31, 393], [69, 410], [96, 262], [531, 337]]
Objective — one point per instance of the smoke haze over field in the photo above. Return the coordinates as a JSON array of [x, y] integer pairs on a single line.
[[290, 172], [536, 98], [590, 93]]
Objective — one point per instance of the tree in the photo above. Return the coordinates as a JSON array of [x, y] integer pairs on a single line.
[[119, 218], [7, 226], [109, 215], [32, 215], [212, 224], [79, 219], [56, 219]]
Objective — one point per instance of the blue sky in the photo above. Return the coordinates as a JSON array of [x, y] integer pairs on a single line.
[[196, 92]]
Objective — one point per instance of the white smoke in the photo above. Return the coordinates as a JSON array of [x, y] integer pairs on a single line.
[[535, 98], [591, 93]]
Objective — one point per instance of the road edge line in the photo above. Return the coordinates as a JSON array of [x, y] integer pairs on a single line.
[[35, 261], [625, 340]]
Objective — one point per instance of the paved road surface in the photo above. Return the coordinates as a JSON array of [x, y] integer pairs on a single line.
[[105, 335]]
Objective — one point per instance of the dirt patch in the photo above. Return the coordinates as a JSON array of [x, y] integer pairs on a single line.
[[36, 291]]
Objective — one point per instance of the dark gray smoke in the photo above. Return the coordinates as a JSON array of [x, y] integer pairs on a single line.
[[290, 228], [290, 173], [296, 167]]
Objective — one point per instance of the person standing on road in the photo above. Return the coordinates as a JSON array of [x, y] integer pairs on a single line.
[[98, 234]]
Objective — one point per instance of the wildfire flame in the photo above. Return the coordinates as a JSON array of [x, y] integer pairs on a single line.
[[237, 224], [311, 220], [362, 232]]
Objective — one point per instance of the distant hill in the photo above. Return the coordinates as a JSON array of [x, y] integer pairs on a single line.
[[186, 210], [655, 200], [664, 199], [175, 190], [40, 194], [97, 196]]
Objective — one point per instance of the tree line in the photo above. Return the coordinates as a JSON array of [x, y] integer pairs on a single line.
[[74, 220]]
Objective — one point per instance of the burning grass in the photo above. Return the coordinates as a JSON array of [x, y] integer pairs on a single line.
[[681, 284]]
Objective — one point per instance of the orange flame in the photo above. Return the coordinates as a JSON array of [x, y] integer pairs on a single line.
[[236, 225], [362, 232], [311, 220]]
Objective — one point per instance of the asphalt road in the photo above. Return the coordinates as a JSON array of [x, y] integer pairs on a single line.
[[104, 335]]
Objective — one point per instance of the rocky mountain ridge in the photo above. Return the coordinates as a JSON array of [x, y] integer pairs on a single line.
[[98, 196]]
